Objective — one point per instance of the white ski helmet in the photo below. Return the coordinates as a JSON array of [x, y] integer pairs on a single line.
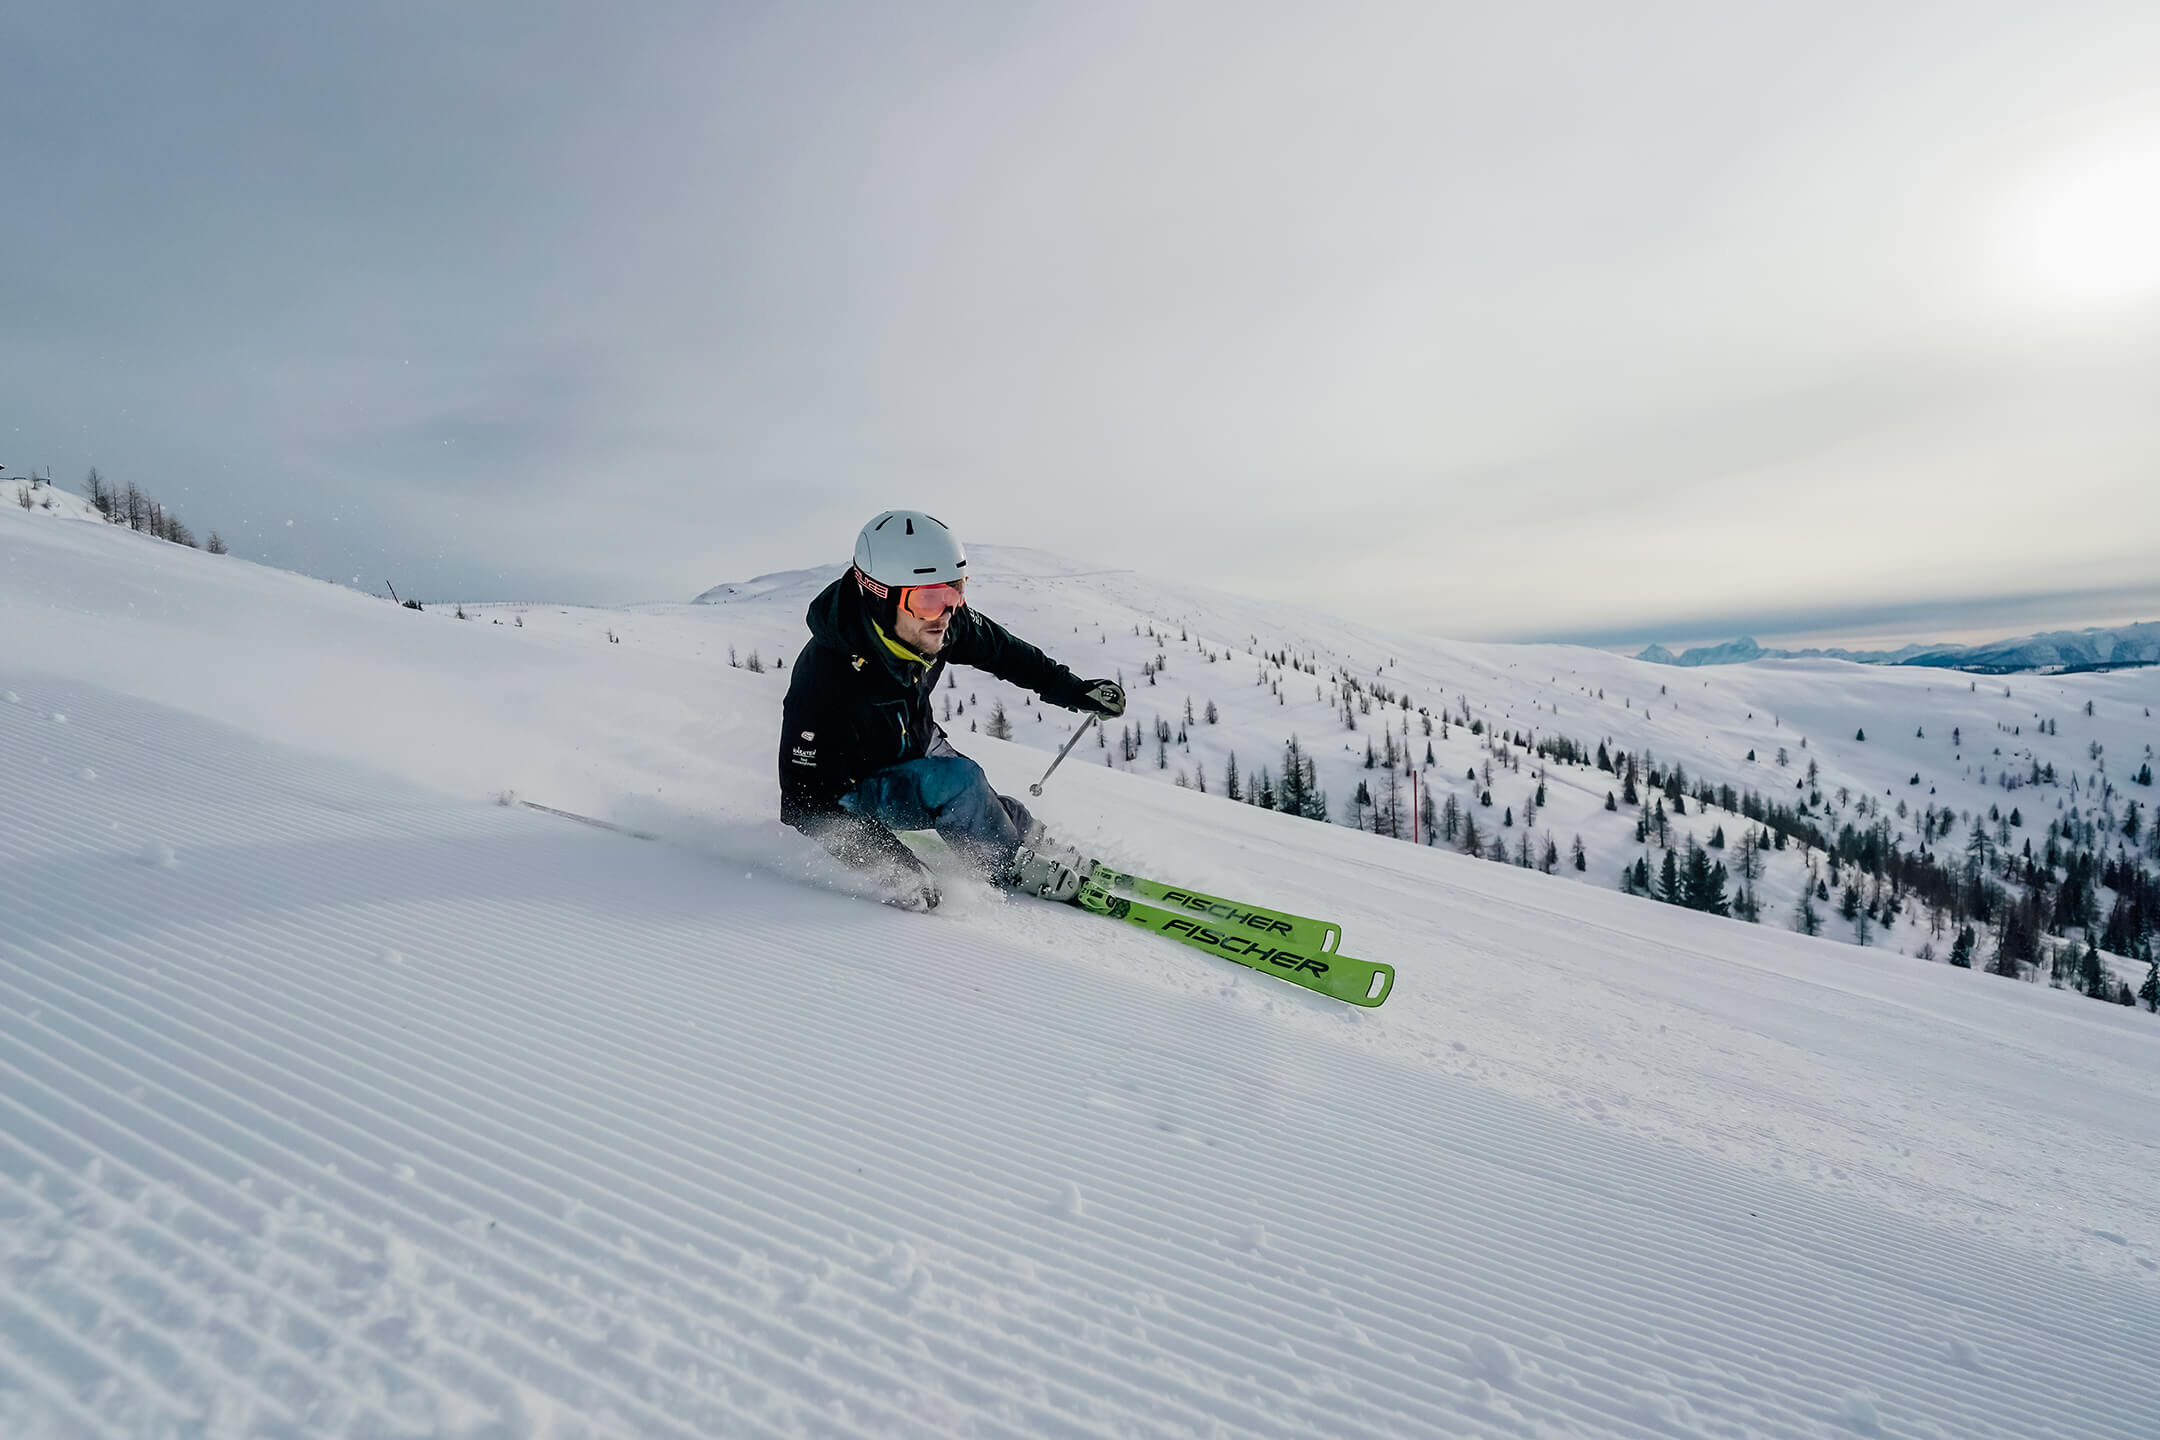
[[907, 547]]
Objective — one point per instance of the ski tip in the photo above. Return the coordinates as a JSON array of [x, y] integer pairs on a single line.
[[1378, 988]]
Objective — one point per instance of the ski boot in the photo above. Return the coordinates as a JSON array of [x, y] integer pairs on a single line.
[[1047, 870]]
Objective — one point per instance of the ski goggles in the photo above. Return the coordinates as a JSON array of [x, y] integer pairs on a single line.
[[927, 602]]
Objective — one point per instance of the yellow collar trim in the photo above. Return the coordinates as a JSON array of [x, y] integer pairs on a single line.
[[897, 647]]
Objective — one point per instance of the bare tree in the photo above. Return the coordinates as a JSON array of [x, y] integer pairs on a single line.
[[100, 494]]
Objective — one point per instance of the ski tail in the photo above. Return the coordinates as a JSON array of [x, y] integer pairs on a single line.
[[1297, 932], [1337, 976]]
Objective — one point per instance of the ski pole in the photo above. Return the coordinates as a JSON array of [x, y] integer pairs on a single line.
[[1036, 788]]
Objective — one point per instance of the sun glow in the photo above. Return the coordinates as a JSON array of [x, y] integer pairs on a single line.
[[2088, 232]]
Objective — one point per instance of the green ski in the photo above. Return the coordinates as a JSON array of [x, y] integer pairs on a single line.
[[1299, 932], [1357, 982]]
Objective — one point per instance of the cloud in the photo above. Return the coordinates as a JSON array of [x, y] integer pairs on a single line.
[[1495, 322]]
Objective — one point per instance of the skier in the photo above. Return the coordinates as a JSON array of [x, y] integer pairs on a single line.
[[860, 753]]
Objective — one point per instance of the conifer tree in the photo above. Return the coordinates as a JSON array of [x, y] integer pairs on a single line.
[[1961, 949], [1695, 878], [1710, 892], [1807, 920], [1230, 779], [1290, 790], [1579, 855], [1668, 883], [2092, 975]]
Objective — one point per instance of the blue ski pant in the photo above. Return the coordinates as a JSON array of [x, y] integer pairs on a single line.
[[950, 794]]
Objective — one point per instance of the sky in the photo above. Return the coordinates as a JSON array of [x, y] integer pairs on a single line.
[[1536, 320]]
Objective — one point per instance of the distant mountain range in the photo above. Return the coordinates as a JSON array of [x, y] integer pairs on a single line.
[[2057, 650]]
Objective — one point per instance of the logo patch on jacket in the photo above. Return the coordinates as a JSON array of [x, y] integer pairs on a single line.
[[809, 734], [803, 754]]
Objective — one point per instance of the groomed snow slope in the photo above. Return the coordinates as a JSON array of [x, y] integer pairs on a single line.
[[340, 1100]]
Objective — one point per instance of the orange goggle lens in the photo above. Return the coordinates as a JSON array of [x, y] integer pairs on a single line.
[[927, 602]]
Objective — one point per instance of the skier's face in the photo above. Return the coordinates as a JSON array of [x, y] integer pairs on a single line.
[[924, 637], [937, 602]]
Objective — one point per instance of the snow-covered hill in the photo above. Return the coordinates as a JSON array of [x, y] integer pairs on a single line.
[[2121, 645], [1868, 745], [2087, 649], [342, 1100], [41, 497]]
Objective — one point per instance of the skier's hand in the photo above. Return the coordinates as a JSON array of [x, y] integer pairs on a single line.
[[917, 891], [1102, 697]]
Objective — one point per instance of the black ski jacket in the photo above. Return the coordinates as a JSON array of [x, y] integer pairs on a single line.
[[856, 704]]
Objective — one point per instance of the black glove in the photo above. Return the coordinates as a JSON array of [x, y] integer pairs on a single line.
[[1101, 697]]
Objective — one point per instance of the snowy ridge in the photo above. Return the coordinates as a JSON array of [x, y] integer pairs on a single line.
[[2137, 644], [46, 499], [343, 1101]]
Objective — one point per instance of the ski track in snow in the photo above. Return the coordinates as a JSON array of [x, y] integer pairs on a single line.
[[337, 1100], [376, 1112]]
